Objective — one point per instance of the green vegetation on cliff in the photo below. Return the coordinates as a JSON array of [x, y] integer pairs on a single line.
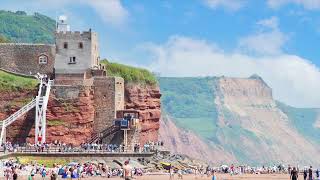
[[190, 102], [129, 73], [20, 27], [303, 119], [10, 82]]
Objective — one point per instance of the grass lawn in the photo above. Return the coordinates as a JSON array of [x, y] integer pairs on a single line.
[[10, 82]]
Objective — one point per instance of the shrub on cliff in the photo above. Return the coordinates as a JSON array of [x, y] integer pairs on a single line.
[[10, 82], [129, 73]]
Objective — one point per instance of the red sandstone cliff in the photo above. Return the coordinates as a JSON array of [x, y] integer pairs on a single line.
[[146, 99], [70, 121]]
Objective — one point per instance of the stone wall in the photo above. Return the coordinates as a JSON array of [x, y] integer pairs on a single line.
[[24, 58], [108, 98]]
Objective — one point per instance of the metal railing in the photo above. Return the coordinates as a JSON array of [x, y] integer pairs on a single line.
[[19, 113], [56, 150]]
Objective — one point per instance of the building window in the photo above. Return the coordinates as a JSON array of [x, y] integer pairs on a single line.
[[72, 60], [43, 59], [65, 45], [80, 45]]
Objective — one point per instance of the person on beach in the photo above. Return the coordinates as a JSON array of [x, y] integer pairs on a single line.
[[15, 174], [180, 176], [127, 170], [310, 173], [305, 174], [214, 177], [171, 172], [294, 174]]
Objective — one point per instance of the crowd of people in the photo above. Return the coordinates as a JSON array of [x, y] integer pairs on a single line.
[[84, 147], [12, 170]]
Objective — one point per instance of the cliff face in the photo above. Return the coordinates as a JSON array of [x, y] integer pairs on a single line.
[[10, 102], [183, 141], [247, 105], [146, 99], [71, 113], [68, 120], [243, 124]]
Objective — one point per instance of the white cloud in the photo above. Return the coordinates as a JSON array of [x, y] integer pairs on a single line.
[[307, 4], [294, 80], [268, 41], [232, 5], [111, 11], [272, 22]]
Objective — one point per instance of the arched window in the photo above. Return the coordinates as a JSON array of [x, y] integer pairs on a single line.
[[43, 59], [80, 45], [65, 45]]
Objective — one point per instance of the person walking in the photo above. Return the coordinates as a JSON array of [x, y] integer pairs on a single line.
[[127, 170], [294, 174], [15, 174], [214, 177], [305, 174], [310, 173]]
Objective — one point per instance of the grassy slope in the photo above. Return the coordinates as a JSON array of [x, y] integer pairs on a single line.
[[20, 27], [129, 73], [9, 82], [303, 120], [190, 101]]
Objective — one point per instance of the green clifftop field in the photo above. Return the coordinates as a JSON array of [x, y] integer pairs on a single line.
[[23, 28]]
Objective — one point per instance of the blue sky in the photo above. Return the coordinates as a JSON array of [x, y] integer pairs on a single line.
[[277, 39]]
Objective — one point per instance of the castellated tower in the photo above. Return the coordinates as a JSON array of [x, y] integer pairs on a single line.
[[76, 52]]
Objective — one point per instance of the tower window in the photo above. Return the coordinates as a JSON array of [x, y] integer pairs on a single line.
[[80, 45], [43, 59], [65, 45], [72, 60]]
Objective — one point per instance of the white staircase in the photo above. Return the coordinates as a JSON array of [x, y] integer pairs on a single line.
[[40, 102], [5, 123]]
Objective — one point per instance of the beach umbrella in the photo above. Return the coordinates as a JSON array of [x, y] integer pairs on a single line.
[[73, 164]]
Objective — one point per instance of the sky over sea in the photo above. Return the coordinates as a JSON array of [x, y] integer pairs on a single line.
[[276, 39]]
